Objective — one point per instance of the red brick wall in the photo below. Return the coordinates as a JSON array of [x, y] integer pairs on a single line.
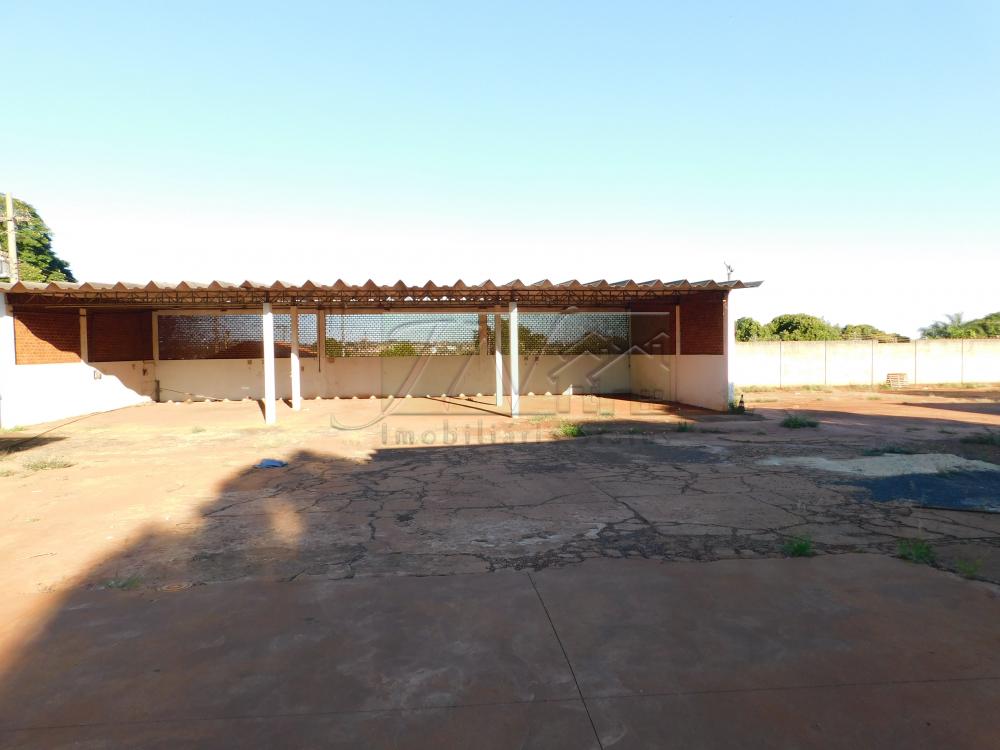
[[46, 337], [702, 329], [654, 333], [119, 336]]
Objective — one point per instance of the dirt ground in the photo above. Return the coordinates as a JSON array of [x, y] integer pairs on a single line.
[[164, 500]]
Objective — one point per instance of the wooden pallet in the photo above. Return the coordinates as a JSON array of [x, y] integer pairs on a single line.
[[896, 380]]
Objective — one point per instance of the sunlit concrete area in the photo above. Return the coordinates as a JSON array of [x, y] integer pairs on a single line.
[[427, 572]]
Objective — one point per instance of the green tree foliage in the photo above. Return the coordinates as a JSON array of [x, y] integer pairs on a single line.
[[528, 340], [36, 261], [802, 327], [399, 349], [866, 332], [956, 327], [748, 329]]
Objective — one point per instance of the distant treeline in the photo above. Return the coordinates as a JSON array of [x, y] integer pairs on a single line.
[[802, 327]]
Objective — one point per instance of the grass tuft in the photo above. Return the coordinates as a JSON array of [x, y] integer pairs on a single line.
[[796, 421], [890, 449], [197, 428], [569, 430], [968, 568], [685, 427], [123, 584], [986, 438], [41, 464], [916, 551], [800, 546]]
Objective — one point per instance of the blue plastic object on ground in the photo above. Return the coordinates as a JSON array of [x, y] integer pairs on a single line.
[[270, 463]]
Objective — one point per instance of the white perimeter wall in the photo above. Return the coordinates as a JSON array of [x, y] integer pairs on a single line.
[[928, 361], [41, 393]]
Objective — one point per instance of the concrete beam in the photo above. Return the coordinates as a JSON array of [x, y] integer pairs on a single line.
[[270, 407]]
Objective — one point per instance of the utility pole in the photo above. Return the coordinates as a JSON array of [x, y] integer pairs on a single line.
[[729, 271], [11, 239]]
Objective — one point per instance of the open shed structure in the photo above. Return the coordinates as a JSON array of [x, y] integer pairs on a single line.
[[75, 348]]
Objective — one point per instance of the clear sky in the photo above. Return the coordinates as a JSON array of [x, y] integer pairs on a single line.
[[847, 153]]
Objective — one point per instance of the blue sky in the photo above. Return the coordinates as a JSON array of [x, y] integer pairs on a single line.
[[846, 153]]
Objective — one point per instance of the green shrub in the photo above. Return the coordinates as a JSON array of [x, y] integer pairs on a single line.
[[685, 427]]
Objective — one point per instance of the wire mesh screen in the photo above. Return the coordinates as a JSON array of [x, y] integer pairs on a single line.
[[401, 335], [231, 336], [566, 333], [283, 335]]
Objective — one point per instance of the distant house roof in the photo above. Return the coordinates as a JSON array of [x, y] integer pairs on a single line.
[[369, 296]]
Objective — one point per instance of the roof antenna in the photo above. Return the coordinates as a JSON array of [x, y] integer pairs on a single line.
[[729, 271]]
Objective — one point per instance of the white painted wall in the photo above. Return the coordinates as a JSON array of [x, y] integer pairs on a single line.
[[652, 376], [927, 361], [702, 380], [41, 393], [385, 376]]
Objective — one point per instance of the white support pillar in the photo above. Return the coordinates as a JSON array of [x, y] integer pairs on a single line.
[[270, 407], [294, 362], [498, 357], [320, 340], [7, 362], [729, 347], [515, 360], [84, 349], [677, 352]]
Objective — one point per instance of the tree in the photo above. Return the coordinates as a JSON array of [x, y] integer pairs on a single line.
[[802, 327], [35, 259], [956, 327], [867, 332], [748, 329]]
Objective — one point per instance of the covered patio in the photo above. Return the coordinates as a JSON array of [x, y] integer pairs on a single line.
[[74, 348]]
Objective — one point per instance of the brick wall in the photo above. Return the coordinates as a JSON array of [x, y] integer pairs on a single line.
[[119, 336], [702, 329], [653, 332], [46, 337]]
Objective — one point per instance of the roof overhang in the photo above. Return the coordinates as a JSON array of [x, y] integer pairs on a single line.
[[368, 297]]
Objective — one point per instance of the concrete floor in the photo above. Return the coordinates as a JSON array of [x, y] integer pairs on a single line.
[[491, 585]]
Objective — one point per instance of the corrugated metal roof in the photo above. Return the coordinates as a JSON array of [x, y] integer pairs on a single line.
[[62, 287]]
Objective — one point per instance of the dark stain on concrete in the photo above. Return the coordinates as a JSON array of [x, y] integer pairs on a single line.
[[962, 490]]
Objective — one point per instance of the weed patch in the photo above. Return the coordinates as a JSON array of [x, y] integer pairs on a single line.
[[890, 450], [569, 430], [987, 438], [41, 464], [123, 584], [796, 421], [800, 546], [685, 427], [968, 568], [916, 551]]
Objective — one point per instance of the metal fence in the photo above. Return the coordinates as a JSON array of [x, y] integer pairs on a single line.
[[240, 335]]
